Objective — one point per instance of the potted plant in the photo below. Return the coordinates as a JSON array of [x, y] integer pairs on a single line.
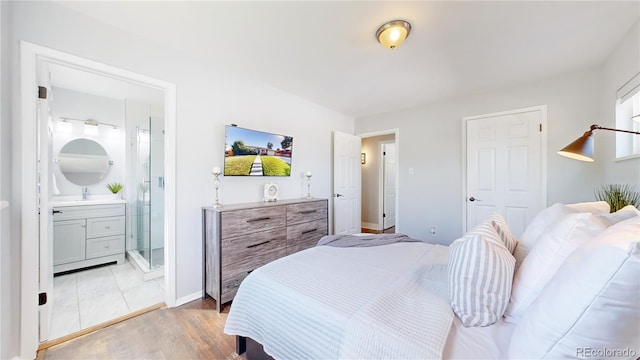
[[115, 188], [618, 196]]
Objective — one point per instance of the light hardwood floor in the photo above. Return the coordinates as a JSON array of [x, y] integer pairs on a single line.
[[191, 331]]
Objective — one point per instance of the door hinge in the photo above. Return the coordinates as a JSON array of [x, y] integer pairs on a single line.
[[42, 92], [384, 153], [540, 127], [384, 215], [42, 298]]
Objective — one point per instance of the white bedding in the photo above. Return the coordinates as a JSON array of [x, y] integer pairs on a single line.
[[335, 295]]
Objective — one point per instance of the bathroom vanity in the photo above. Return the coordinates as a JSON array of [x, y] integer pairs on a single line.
[[88, 233]]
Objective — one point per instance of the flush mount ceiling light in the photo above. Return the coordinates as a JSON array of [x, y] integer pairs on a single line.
[[393, 33]]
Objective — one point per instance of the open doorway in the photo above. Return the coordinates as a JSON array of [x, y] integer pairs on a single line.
[[37, 130], [379, 183]]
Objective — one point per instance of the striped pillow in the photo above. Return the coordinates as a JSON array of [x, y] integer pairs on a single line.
[[480, 276], [500, 224]]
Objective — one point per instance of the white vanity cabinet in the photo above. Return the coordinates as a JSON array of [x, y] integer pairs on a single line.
[[87, 235]]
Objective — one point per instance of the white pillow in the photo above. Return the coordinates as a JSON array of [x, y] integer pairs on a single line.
[[630, 208], [591, 306], [556, 243], [594, 207], [480, 276], [536, 227]]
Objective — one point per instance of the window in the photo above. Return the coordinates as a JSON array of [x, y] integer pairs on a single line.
[[627, 107]]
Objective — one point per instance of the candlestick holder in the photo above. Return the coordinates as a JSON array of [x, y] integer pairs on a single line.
[[216, 183], [308, 176]]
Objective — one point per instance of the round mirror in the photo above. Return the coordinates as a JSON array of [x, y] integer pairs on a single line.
[[83, 161]]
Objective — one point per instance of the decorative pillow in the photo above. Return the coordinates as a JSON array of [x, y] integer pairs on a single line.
[[590, 309], [594, 207], [480, 276], [500, 224], [536, 227]]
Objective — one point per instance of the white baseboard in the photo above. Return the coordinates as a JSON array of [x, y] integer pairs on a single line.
[[189, 298], [371, 226]]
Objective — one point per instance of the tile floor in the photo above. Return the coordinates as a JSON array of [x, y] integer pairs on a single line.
[[87, 298]]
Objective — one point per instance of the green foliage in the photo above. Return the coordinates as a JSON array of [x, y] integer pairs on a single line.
[[239, 148], [272, 166], [269, 145], [618, 196], [286, 142], [115, 187], [238, 165]]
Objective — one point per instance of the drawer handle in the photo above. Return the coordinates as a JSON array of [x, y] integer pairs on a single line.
[[83, 225], [307, 212], [308, 231], [106, 246], [258, 244], [107, 227], [259, 219]]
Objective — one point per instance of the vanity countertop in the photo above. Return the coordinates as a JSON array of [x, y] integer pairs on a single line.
[[60, 201]]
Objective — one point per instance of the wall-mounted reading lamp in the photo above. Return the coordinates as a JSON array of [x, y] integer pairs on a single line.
[[582, 148]]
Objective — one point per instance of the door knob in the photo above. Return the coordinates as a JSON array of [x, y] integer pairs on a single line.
[[474, 199], [338, 195]]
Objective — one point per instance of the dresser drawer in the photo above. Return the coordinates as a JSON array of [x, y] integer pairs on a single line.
[[240, 222], [303, 212], [108, 226], [305, 235], [249, 251], [233, 274], [105, 246]]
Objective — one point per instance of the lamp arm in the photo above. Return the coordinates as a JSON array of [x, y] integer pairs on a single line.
[[598, 127]]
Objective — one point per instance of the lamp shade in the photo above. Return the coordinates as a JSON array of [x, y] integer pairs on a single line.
[[581, 149], [393, 33]]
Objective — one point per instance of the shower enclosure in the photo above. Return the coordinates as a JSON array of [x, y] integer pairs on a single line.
[[147, 222]]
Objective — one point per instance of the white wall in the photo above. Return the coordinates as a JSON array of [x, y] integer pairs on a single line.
[[9, 248], [431, 145], [208, 98], [621, 65], [76, 105]]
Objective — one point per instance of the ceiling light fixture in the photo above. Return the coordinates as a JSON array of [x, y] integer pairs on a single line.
[[393, 33], [582, 148]]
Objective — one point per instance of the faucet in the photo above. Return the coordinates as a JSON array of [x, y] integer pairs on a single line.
[[85, 192]]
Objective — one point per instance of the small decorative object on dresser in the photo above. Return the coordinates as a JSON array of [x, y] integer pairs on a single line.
[[239, 238], [270, 192], [216, 183], [308, 176]]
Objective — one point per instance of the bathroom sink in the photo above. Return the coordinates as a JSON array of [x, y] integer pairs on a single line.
[[80, 202]]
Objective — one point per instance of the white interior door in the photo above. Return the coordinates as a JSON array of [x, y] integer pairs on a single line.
[[389, 185], [346, 183], [505, 169], [45, 195]]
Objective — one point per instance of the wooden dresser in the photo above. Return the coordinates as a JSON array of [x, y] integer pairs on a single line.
[[242, 237]]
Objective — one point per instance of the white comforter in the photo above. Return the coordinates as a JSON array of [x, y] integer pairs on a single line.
[[377, 302]]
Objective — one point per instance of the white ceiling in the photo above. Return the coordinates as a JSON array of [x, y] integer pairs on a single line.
[[96, 84], [326, 51]]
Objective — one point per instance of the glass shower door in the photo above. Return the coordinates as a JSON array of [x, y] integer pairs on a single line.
[[149, 215]]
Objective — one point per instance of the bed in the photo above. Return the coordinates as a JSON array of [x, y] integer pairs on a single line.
[[394, 300]]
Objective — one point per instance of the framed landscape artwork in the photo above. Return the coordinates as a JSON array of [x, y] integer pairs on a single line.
[[256, 153]]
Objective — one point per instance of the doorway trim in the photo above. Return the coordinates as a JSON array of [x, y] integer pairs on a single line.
[[396, 133], [381, 182], [543, 154], [29, 52]]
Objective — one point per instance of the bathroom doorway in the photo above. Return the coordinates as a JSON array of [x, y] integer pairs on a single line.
[[36, 268]]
